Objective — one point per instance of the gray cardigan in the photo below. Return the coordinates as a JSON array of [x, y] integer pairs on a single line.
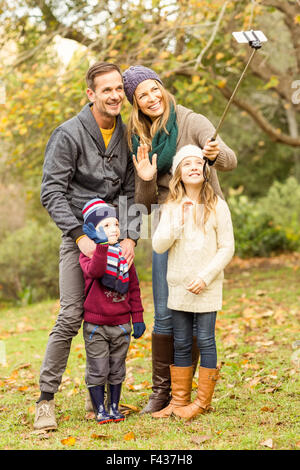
[[78, 167]]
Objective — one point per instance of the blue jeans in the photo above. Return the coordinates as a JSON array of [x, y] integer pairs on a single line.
[[163, 324], [162, 314], [183, 337]]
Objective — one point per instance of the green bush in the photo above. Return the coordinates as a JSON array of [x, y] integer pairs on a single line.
[[282, 204], [29, 263], [143, 259], [268, 225]]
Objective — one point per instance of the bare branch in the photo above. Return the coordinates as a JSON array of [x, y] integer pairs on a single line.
[[290, 11], [213, 35], [275, 134]]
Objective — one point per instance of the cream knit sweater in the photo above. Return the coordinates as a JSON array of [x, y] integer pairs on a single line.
[[194, 254]]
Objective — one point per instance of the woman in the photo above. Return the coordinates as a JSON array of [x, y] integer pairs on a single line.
[[158, 125]]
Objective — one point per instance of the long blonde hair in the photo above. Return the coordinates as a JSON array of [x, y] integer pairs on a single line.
[[207, 195], [142, 125]]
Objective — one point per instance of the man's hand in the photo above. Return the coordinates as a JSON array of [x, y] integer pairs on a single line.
[[127, 246], [87, 246], [196, 286], [211, 149]]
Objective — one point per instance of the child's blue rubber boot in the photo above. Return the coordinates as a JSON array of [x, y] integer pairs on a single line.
[[97, 397], [115, 393]]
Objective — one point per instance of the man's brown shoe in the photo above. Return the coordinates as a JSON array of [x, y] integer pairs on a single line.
[[44, 416]]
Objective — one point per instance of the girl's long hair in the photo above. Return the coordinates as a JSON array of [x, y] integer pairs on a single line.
[[141, 125], [207, 196]]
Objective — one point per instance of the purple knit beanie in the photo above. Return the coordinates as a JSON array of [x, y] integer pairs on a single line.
[[133, 76]]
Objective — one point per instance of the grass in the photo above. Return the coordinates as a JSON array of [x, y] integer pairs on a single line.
[[256, 401]]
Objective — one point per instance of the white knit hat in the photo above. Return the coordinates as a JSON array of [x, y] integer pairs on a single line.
[[186, 151]]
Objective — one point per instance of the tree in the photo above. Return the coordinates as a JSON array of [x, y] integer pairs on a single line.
[[188, 42]]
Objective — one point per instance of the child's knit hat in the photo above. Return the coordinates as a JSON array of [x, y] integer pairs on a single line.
[[135, 75], [186, 151], [97, 210]]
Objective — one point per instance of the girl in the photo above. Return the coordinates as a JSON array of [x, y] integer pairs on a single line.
[[164, 127], [196, 228]]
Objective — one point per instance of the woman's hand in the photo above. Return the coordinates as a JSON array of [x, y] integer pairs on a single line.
[[145, 169], [196, 286], [211, 149]]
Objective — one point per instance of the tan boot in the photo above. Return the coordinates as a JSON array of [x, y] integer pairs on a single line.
[[45, 416], [181, 383], [206, 385]]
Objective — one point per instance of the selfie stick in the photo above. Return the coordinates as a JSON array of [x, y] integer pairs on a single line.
[[254, 39]]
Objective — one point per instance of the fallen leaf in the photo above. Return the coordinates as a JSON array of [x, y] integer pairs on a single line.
[[266, 408], [129, 436], [24, 366], [41, 433], [90, 415], [23, 389], [261, 292], [31, 410], [131, 407], [141, 386], [273, 389], [267, 443], [200, 439], [126, 409], [101, 436], [64, 418], [69, 441]]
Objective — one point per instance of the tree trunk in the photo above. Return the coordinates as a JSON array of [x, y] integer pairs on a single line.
[[294, 132]]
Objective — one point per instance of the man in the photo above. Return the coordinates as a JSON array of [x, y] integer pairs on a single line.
[[86, 157]]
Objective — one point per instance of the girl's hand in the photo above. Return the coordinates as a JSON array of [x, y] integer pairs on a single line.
[[196, 286], [211, 149], [145, 169], [186, 208]]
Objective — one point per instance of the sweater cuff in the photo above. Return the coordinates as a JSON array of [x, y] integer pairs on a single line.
[[211, 162], [76, 233], [221, 160], [137, 317], [208, 277]]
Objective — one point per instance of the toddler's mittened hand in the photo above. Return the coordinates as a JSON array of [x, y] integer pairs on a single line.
[[98, 236], [138, 329]]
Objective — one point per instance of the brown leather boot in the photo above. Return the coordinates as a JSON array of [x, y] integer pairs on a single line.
[[206, 385], [162, 358], [195, 354], [181, 383]]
